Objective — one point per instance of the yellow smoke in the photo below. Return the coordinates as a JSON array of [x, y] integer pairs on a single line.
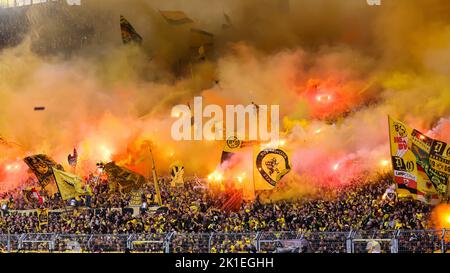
[[106, 99]]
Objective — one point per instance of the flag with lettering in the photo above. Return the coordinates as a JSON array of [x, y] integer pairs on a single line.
[[411, 151]]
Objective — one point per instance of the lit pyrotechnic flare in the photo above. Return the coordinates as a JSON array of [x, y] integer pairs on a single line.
[[441, 216], [106, 153], [215, 176], [384, 163], [240, 178], [12, 167], [336, 167], [324, 98]]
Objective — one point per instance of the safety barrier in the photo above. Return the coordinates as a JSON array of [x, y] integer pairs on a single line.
[[396, 241]]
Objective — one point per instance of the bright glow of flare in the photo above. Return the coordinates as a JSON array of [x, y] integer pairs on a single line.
[[324, 98], [106, 153], [241, 177], [336, 167], [384, 162], [441, 216], [216, 176]]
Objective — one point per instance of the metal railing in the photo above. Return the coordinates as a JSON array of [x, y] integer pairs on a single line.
[[396, 241]]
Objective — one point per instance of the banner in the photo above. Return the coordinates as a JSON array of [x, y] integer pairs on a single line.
[[69, 185], [42, 217], [41, 166], [136, 198], [411, 152], [270, 165], [125, 179], [129, 34]]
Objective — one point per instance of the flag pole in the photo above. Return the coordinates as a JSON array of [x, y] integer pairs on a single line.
[[390, 152], [155, 179]]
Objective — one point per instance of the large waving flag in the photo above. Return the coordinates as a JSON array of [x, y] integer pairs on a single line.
[[129, 34], [421, 164], [270, 165], [125, 179], [69, 185], [41, 165], [234, 145]]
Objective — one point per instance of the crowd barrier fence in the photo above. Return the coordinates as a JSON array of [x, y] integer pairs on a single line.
[[395, 241]]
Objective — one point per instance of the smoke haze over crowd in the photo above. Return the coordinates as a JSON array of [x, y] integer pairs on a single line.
[[336, 68]]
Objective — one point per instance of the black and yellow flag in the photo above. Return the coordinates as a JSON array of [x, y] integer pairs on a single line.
[[41, 166], [177, 174], [176, 17], [270, 166], [234, 145], [69, 185], [421, 164], [125, 179], [28, 195], [136, 198], [129, 34], [42, 217]]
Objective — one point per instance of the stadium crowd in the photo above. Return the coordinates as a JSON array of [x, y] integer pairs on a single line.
[[192, 209]]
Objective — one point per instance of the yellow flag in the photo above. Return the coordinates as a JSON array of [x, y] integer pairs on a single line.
[[69, 185], [410, 151], [42, 217], [136, 198], [177, 174], [41, 165], [125, 179], [270, 165]]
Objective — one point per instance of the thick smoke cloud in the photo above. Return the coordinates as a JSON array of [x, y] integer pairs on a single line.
[[106, 98]]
